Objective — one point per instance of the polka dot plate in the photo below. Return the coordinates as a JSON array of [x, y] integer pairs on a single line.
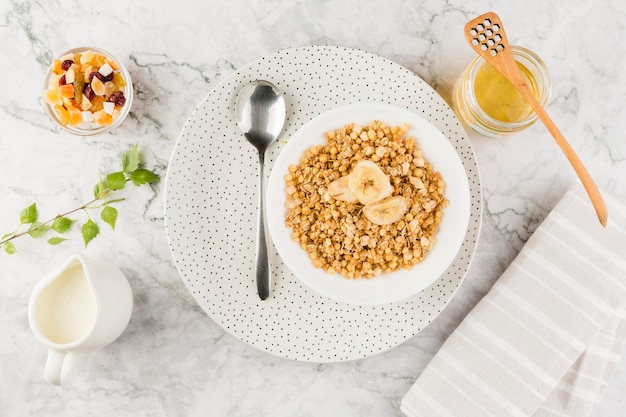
[[211, 205]]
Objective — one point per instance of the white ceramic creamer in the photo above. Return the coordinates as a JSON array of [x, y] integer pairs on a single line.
[[84, 305]]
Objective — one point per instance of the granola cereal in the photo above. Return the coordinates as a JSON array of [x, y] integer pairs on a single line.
[[335, 233]]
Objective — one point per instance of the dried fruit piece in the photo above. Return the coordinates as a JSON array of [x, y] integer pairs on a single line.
[[62, 114], [76, 116], [89, 92], [369, 183], [118, 80], [102, 118], [66, 91], [106, 70], [340, 190], [387, 211], [56, 67], [108, 107], [97, 86], [79, 86], [65, 65], [96, 103], [87, 116], [109, 89], [69, 76], [52, 97], [118, 98], [86, 57], [98, 75], [85, 104]]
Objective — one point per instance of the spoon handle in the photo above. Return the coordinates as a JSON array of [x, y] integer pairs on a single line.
[[585, 178], [486, 35], [262, 261]]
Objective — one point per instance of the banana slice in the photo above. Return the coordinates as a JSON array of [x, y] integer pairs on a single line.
[[387, 211], [369, 183], [340, 190]]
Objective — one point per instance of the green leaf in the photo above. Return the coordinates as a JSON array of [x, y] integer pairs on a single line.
[[9, 248], [109, 215], [99, 189], [56, 240], [89, 230], [116, 180], [37, 230], [142, 176], [130, 160], [62, 224], [29, 214]]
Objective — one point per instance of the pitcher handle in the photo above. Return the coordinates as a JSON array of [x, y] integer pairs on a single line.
[[58, 366]]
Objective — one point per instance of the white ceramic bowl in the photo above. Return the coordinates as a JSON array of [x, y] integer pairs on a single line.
[[390, 287]]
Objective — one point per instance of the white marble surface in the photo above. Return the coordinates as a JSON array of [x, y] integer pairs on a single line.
[[175, 361]]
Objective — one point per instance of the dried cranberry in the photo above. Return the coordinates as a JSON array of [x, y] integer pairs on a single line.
[[67, 64], [89, 92], [118, 98], [62, 80], [100, 76]]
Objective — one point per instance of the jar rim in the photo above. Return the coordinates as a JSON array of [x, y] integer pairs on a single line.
[[541, 75]]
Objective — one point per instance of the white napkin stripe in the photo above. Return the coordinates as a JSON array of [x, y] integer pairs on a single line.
[[542, 319], [616, 259], [511, 350], [505, 367], [556, 348], [613, 204], [422, 398], [480, 383], [579, 374], [543, 412], [580, 393], [461, 390], [557, 274], [542, 283], [603, 352]]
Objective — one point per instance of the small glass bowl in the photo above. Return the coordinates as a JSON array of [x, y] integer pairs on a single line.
[[90, 128], [473, 116]]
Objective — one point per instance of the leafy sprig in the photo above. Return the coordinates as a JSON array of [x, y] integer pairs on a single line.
[[103, 190]]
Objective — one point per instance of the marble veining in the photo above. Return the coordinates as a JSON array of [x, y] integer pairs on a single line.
[[175, 361]]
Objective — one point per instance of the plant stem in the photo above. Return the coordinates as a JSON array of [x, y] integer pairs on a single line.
[[85, 207]]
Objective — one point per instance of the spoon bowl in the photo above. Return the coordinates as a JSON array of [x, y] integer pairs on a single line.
[[261, 114]]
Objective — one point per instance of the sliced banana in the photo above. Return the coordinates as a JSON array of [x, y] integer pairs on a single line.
[[387, 211], [369, 183], [340, 190]]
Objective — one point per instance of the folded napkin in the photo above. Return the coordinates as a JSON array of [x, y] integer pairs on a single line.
[[546, 338]]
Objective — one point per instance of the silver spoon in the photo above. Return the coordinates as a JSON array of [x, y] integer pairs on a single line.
[[261, 116]]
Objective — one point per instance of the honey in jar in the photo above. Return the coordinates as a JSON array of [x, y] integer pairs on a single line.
[[489, 104]]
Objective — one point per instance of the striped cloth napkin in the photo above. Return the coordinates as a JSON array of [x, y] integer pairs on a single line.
[[546, 338]]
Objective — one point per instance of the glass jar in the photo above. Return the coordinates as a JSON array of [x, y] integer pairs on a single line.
[[88, 127], [489, 104]]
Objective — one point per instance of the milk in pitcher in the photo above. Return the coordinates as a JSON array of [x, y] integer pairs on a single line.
[[66, 308]]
